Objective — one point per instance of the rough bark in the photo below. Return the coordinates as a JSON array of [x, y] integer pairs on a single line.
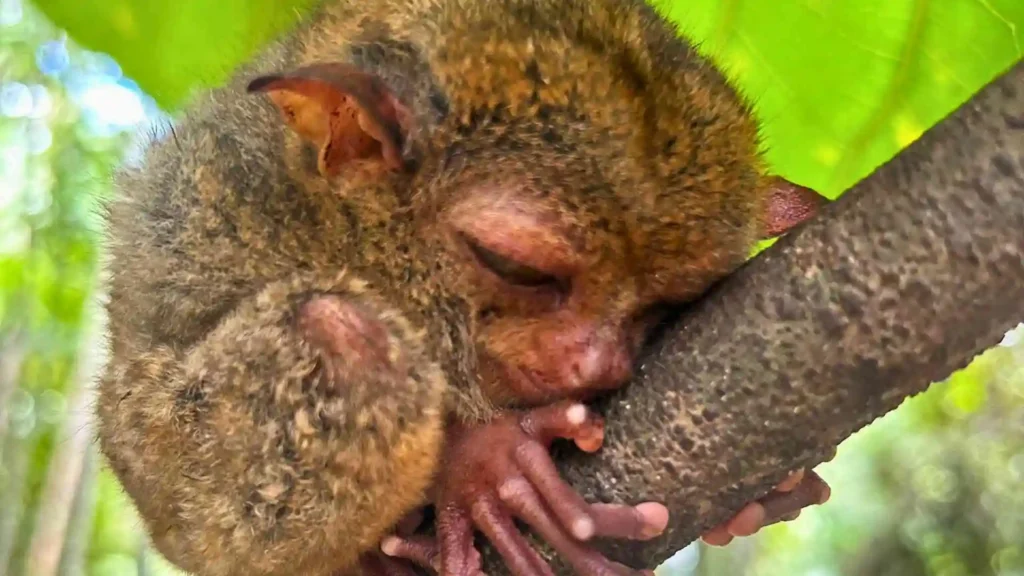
[[899, 283]]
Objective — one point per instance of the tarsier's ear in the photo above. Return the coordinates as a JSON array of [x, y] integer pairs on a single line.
[[787, 206], [349, 113]]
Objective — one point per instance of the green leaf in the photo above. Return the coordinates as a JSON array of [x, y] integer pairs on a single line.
[[842, 86], [172, 47]]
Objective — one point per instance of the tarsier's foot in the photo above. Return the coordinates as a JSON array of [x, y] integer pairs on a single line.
[[800, 490], [502, 470], [380, 564], [376, 563]]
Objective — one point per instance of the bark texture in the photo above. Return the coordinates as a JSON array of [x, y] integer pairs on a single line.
[[899, 283]]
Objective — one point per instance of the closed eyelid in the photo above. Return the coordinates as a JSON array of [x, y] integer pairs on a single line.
[[519, 232]]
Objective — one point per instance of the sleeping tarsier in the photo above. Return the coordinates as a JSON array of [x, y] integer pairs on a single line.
[[380, 269]]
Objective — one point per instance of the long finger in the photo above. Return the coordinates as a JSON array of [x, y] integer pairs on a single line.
[[420, 550], [569, 420], [523, 500], [791, 482], [747, 521], [641, 522], [568, 506], [778, 506], [718, 536], [583, 520], [459, 557], [519, 556], [810, 491]]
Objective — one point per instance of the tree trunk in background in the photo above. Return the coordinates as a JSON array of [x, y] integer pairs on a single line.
[[14, 457], [67, 467], [12, 354], [15, 463], [73, 560], [900, 282]]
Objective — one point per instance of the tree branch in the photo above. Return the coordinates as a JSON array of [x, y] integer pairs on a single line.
[[901, 281]]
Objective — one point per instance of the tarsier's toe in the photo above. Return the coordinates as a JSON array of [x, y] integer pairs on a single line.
[[567, 420], [459, 556], [800, 490], [452, 553], [782, 504], [377, 564], [422, 551], [492, 519], [606, 520]]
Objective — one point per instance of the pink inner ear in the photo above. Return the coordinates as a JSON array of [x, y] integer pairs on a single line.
[[359, 106], [789, 205], [517, 229]]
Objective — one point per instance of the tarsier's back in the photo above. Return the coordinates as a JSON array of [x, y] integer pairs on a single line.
[[254, 444]]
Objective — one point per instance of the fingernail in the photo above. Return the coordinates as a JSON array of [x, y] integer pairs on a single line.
[[583, 528], [826, 493], [576, 414], [389, 545], [748, 521], [655, 519], [590, 440], [588, 444]]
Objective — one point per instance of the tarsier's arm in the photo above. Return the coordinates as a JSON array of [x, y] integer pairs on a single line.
[[286, 441]]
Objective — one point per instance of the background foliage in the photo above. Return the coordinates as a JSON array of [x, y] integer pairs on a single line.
[[841, 86]]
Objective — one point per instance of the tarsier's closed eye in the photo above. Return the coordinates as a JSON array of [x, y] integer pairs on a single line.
[[509, 270]]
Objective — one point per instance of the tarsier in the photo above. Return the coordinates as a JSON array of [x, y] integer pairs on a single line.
[[380, 269]]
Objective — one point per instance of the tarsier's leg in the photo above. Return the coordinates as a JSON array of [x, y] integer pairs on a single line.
[[501, 471], [290, 439]]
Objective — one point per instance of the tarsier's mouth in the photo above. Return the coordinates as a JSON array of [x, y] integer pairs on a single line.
[[503, 379], [522, 384], [529, 378]]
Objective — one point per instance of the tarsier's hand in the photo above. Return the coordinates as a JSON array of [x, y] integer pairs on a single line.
[[502, 470], [800, 490]]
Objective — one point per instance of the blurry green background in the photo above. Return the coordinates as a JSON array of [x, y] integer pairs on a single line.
[[935, 488]]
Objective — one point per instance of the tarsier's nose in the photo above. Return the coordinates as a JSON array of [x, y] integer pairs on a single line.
[[602, 362]]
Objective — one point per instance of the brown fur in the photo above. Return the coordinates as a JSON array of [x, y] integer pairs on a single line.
[[219, 417]]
